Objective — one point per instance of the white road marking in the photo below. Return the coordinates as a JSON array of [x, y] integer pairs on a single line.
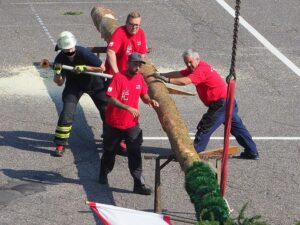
[[263, 40], [232, 138], [45, 29]]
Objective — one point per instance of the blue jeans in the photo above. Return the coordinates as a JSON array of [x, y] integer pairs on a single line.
[[213, 118]]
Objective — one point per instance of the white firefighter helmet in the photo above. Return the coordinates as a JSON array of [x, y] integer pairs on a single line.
[[66, 40]]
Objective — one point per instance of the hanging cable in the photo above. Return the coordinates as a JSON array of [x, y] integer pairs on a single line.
[[232, 74]]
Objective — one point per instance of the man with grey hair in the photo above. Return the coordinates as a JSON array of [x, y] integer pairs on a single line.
[[212, 91]]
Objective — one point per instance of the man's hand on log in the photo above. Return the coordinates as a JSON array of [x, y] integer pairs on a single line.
[[153, 103]]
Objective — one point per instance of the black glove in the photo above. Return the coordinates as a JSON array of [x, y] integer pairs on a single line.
[[162, 78]]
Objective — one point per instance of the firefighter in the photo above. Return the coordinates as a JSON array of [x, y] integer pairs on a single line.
[[76, 84]]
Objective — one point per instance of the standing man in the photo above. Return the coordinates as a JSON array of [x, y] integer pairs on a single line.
[[125, 40], [122, 122], [77, 83], [212, 91]]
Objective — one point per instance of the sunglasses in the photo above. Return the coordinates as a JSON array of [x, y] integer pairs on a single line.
[[133, 25]]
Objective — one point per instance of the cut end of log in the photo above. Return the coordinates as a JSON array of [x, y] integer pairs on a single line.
[[104, 20]]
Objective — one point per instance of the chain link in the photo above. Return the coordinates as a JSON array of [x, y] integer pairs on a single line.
[[232, 74]]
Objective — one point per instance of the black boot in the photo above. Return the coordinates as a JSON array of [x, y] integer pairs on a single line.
[[142, 190], [249, 155], [103, 179], [103, 175], [140, 187]]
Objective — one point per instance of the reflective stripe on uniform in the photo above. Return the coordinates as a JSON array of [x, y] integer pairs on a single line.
[[64, 129], [63, 136], [63, 132]]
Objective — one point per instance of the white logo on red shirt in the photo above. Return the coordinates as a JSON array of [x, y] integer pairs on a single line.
[[138, 87], [129, 50], [111, 44], [125, 94], [109, 89], [139, 43]]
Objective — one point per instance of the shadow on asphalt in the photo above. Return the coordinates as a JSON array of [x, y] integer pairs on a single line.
[[43, 177], [27, 140], [83, 146]]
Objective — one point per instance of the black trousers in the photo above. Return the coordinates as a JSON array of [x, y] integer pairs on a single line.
[[70, 97], [133, 138]]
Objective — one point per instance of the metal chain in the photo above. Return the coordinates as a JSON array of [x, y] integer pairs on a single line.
[[234, 42]]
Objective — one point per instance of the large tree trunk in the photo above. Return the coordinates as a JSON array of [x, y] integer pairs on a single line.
[[200, 181]]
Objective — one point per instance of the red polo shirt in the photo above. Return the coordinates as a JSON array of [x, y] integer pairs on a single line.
[[123, 44], [209, 84], [128, 91]]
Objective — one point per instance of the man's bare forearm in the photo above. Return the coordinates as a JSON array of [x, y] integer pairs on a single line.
[[117, 103], [112, 60]]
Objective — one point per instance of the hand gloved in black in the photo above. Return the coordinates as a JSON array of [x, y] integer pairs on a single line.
[[162, 77]]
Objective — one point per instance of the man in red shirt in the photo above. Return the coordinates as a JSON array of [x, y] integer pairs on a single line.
[[125, 40], [212, 91], [122, 117]]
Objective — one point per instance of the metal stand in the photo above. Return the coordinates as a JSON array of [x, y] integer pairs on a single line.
[[209, 156], [157, 189]]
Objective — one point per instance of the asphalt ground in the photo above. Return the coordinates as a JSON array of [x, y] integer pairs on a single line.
[[36, 188]]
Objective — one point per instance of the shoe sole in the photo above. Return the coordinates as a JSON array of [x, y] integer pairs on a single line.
[[103, 182], [142, 193], [59, 153], [247, 157]]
